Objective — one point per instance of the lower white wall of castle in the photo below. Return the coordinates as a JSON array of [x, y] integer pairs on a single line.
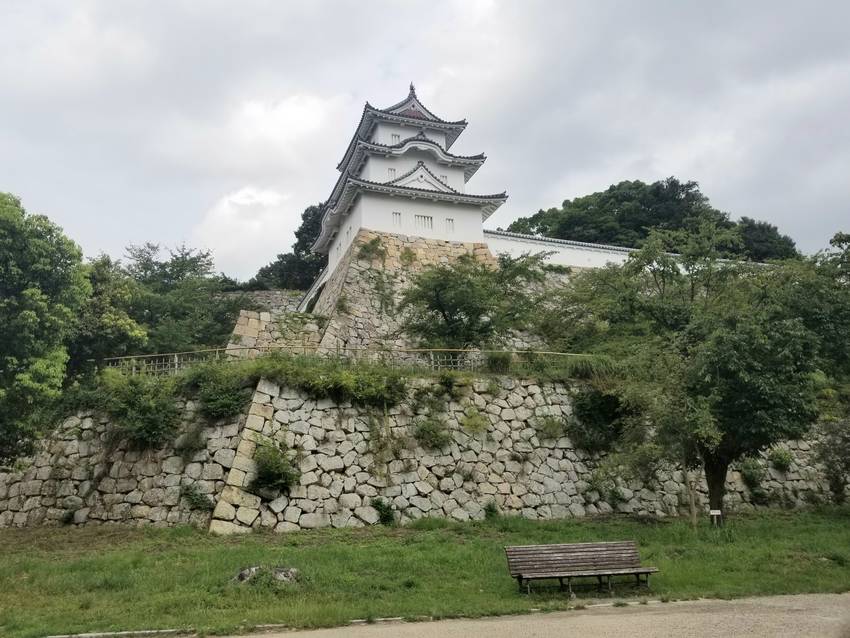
[[403, 216], [572, 255]]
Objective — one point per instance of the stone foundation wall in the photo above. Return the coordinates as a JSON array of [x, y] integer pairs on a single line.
[[361, 296], [357, 307], [275, 301], [258, 332], [507, 463], [77, 478]]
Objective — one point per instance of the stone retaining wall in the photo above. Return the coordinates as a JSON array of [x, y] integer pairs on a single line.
[[508, 463], [361, 296], [76, 478]]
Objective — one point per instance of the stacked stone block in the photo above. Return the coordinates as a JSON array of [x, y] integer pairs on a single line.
[[78, 476], [509, 464]]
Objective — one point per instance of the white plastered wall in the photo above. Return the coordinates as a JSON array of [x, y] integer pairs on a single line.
[[563, 254]]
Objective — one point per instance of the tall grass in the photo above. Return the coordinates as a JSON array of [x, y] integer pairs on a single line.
[[97, 579]]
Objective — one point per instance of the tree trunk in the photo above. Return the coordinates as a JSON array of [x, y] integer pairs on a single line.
[[715, 476], [692, 498]]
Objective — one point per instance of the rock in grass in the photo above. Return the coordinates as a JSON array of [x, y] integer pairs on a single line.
[[279, 574]]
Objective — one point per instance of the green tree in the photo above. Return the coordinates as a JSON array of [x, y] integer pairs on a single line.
[[42, 288], [625, 213], [712, 366], [468, 303], [762, 241], [178, 300], [104, 327], [296, 270]]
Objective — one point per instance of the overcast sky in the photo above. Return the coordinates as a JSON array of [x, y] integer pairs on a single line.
[[217, 123]]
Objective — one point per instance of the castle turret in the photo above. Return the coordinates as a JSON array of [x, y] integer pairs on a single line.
[[398, 176]]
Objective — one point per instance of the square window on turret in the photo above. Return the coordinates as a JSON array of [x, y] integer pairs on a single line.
[[395, 137], [397, 220], [450, 225], [391, 173]]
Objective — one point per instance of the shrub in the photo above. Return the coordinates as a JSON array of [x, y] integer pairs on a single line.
[[550, 427], [833, 451], [342, 304], [474, 421], [222, 388], [362, 384], [453, 383], [372, 250], [498, 362], [597, 420], [642, 460], [752, 473], [780, 459], [196, 499], [491, 511], [407, 256], [431, 433], [275, 469], [385, 511], [143, 407]]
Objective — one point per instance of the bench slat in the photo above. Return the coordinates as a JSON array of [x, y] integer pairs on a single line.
[[568, 560], [597, 572]]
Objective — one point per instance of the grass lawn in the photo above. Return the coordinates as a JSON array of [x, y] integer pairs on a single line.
[[112, 578]]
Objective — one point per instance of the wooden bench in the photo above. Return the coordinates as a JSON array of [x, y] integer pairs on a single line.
[[576, 560]]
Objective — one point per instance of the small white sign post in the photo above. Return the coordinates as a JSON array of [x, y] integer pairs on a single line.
[[716, 517]]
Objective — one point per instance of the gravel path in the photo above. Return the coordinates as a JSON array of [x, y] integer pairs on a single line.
[[802, 616]]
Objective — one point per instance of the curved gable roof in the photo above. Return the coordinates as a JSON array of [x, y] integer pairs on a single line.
[[409, 111]]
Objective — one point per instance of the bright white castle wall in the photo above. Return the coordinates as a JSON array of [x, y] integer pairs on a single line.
[[573, 254]]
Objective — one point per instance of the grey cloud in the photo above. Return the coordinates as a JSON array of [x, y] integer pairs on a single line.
[[122, 120]]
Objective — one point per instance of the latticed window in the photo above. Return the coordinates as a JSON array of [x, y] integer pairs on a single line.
[[450, 225], [395, 137], [391, 173], [397, 220], [425, 222]]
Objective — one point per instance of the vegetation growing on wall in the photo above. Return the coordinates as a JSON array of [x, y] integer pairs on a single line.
[[468, 303], [598, 419], [144, 409], [276, 468], [373, 250], [431, 432]]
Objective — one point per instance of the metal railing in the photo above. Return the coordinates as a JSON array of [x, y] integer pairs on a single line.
[[430, 359]]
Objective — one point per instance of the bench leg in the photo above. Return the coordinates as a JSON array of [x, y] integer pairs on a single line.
[[599, 585], [519, 582], [561, 583], [610, 589], [570, 587]]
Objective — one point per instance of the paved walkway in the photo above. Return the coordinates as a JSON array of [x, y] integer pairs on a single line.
[[803, 616]]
